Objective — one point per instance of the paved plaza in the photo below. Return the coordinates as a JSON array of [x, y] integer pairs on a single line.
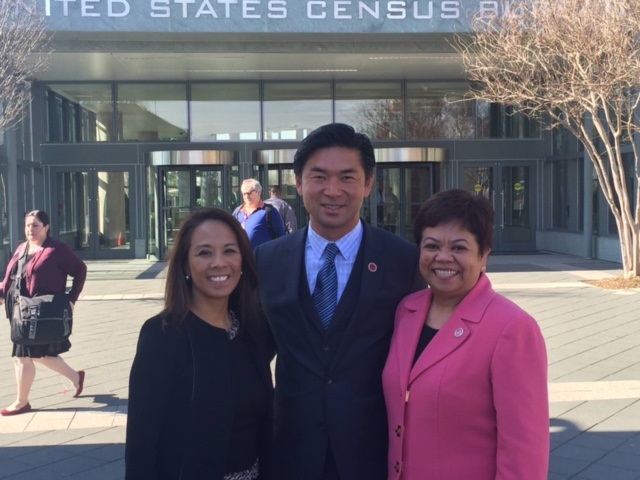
[[592, 335]]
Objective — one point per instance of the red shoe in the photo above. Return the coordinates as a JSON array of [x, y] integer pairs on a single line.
[[80, 383], [18, 411]]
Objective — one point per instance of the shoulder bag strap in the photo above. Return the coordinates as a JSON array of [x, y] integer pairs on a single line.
[[20, 270], [267, 208]]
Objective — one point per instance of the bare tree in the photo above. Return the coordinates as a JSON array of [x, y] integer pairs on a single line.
[[577, 63], [24, 50]]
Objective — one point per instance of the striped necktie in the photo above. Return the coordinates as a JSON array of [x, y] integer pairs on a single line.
[[325, 295]]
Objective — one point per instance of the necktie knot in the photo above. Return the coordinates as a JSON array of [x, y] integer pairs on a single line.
[[330, 252], [325, 295]]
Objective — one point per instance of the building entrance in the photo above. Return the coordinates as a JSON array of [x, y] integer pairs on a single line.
[[93, 214], [182, 181], [396, 197], [404, 179], [510, 190]]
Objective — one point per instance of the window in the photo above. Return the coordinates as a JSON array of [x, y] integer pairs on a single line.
[[438, 111], [225, 111], [293, 110], [79, 113], [373, 108], [564, 185], [504, 121], [152, 112]]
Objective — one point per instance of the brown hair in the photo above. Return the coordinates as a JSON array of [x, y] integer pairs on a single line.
[[244, 298]]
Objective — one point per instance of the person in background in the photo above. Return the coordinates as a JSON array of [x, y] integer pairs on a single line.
[[47, 264], [465, 382], [200, 391], [284, 209], [261, 221], [329, 292]]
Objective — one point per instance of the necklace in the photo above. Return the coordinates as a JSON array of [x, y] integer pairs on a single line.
[[235, 325]]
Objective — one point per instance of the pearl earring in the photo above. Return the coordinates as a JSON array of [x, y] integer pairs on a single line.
[[187, 278]]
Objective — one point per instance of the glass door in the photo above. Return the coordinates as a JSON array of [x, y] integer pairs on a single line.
[[283, 175], [508, 187], [398, 192], [93, 214], [182, 190]]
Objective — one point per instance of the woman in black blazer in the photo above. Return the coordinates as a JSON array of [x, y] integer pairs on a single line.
[[200, 391]]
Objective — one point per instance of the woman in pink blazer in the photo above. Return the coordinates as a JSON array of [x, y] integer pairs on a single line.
[[465, 381]]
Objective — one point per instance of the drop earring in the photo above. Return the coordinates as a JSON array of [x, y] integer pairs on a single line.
[[187, 278]]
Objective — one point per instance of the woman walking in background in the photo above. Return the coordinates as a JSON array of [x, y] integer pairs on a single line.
[[47, 264]]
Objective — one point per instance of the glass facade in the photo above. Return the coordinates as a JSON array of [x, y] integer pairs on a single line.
[[438, 111], [376, 109], [564, 180], [79, 112], [152, 112], [255, 111], [225, 111], [292, 110]]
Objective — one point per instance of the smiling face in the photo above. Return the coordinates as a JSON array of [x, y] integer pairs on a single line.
[[214, 262], [450, 261], [333, 186], [35, 230]]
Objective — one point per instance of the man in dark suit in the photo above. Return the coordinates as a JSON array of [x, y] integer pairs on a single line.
[[330, 292]]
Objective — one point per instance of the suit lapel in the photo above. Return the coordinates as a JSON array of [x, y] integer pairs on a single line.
[[408, 333]]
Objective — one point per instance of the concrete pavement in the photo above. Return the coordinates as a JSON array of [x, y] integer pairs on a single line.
[[592, 335]]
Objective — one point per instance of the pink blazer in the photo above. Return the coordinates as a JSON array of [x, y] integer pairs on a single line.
[[475, 404]]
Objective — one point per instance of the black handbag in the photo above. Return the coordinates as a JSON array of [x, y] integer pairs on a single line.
[[41, 319]]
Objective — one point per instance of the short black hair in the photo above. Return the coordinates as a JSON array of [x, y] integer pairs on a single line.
[[335, 135], [473, 212]]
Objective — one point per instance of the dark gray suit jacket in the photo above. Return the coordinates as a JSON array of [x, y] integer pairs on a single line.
[[328, 385]]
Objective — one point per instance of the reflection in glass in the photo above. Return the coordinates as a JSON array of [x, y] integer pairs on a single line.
[[225, 111], [72, 209], [516, 204], [386, 197], [373, 108], [113, 210], [505, 121], [79, 112], [438, 111], [418, 188], [177, 203], [209, 192], [293, 110], [152, 112], [153, 203], [478, 180], [280, 175]]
